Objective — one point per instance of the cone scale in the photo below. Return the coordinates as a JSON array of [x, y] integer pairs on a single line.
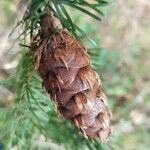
[[75, 88]]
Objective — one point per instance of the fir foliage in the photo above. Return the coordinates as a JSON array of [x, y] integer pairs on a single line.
[[33, 112]]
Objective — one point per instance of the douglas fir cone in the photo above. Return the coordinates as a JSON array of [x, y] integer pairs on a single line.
[[68, 77]]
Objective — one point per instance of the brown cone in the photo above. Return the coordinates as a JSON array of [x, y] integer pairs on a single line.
[[73, 85]]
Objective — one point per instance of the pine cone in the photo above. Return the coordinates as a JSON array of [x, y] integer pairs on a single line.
[[73, 85]]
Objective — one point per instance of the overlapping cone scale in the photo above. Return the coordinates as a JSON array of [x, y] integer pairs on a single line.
[[73, 85]]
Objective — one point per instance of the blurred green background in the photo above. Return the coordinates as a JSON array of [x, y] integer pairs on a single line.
[[123, 36]]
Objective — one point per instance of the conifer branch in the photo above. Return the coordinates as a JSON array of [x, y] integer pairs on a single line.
[[33, 111]]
